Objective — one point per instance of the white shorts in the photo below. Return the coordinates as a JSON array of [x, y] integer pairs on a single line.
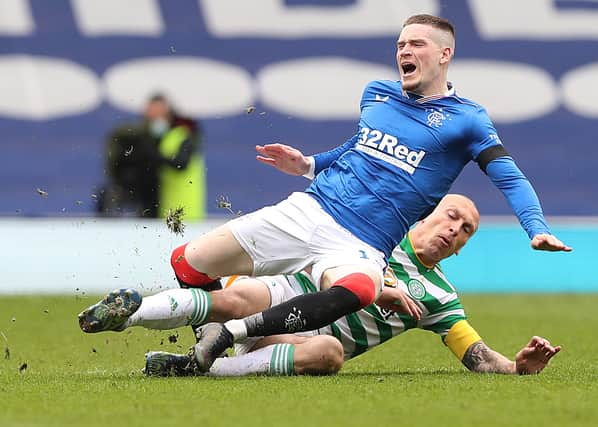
[[282, 288], [296, 233]]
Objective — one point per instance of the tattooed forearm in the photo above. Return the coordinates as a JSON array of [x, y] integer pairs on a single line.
[[476, 356], [480, 358]]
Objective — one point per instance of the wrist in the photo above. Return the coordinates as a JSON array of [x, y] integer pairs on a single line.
[[310, 174]]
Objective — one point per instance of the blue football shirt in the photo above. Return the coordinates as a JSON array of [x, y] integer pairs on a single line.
[[404, 158]]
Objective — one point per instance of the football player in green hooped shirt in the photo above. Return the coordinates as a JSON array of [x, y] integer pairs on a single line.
[[416, 295]]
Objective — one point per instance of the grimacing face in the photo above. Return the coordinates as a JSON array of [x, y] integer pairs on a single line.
[[446, 230], [422, 57]]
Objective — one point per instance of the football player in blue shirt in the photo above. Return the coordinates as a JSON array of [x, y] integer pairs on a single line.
[[414, 137]]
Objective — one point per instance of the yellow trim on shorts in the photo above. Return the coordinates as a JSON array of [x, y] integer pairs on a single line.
[[460, 337], [231, 280]]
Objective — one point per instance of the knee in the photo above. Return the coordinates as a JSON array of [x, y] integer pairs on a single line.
[[333, 355], [177, 256], [186, 274], [320, 355]]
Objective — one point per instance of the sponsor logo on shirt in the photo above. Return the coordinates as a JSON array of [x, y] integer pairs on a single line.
[[386, 147]]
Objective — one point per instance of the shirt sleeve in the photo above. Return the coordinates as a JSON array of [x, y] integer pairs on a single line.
[[520, 194], [323, 160], [483, 134], [460, 337], [487, 149]]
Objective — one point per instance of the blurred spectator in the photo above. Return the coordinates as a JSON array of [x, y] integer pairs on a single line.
[[155, 165]]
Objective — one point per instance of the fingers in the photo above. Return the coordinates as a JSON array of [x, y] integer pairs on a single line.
[[547, 242], [395, 299], [269, 150], [273, 149], [408, 306], [416, 311], [544, 348], [534, 357], [266, 160]]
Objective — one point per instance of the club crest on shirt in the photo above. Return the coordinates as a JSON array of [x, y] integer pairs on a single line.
[[436, 118], [416, 289]]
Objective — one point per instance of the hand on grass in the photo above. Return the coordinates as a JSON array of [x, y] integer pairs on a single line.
[[534, 357]]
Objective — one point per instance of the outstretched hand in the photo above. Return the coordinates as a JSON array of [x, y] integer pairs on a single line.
[[547, 242], [534, 357], [284, 158], [395, 299]]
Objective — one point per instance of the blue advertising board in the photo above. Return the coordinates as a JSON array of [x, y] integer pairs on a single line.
[[71, 70]]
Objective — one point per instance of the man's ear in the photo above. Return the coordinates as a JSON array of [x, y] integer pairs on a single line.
[[447, 52]]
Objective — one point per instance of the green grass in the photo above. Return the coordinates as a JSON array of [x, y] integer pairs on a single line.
[[94, 380]]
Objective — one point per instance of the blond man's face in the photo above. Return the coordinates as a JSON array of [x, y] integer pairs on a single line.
[[446, 230]]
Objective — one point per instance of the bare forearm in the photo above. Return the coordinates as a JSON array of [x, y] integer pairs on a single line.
[[480, 358]]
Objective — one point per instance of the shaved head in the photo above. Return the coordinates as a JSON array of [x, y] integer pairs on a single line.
[[460, 200], [446, 230]]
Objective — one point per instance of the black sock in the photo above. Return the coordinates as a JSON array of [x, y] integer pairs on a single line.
[[216, 285], [303, 313]]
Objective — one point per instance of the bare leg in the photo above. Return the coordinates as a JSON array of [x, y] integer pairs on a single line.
[[218, 253], [245, 297]]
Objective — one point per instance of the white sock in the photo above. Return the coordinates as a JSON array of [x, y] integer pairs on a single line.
[[172, 308], [274, 359], [237, 328]]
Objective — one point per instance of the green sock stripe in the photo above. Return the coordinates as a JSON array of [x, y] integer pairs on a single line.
[[282, 356], [203, 302], [208, 306], [195, 306], [290, 359], [282, 359], [273, 360], [275, 365]]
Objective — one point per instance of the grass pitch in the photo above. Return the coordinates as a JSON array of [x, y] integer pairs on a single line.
[[52, 374]]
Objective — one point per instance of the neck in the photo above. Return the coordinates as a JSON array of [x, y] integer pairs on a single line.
[[438, 89], [419, 252]]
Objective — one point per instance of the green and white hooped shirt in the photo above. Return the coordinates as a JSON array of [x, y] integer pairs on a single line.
[[372, 325]]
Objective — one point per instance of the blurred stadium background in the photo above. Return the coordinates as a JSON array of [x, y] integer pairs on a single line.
[[71, 70]]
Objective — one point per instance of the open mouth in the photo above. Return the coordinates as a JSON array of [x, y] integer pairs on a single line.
[[408, 68], [446, 242]]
